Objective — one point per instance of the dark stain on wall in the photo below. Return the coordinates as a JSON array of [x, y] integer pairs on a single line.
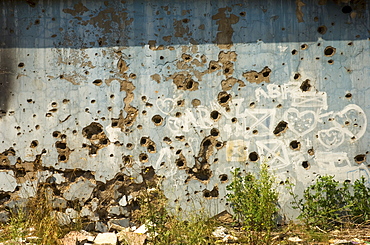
[[7, 78]]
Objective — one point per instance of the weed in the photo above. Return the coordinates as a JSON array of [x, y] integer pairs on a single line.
[[328, 204], [254, 202], [165, 228]]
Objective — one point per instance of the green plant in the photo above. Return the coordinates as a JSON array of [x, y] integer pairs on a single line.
[[178, 228], [329, 204], [254, 199]]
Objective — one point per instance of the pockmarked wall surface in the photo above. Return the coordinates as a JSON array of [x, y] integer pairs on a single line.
[[98, 97]]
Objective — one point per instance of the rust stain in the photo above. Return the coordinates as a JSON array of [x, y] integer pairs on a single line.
[[78, 8], [298, 11], [225, 30]]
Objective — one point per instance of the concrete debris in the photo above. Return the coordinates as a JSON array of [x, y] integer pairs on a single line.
[[101, 227], [7, 181], [108, 238], [80, 190], [62, 218], [76, 237], [142, 229], [222, 232], [131, 238], [124, 222], [295, 239]]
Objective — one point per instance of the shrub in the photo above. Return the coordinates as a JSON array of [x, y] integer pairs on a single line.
[[254, 202], [329, 204]]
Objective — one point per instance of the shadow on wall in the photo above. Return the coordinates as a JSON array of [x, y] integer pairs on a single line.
[[73, 24]]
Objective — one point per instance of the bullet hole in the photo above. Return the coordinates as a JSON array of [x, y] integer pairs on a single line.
[[56, 134], [37, 127], [180, 137], [161, 57], [304, 46], [129, 146], [329, 51], [360, 158], [215, 132], [93, 101], [186, 57], [20, 65], [114, 124], [234, 120], [223, 98], [295, 145], [151, 148], [242, 13], [350, 44], [311, 152], [34, 143], [37, 22], [98, 82], [144, 141], [86, 109], [252, 104], [253, 156], [143, 98], [294, 52], [280, 128], [331, 62], [180, 102], [348, 95], [247, 128], [226, 70], [60, 145], [65, 101], [297, 76], [189, 84], [305, 86], [223, 178], [215, 115], [61, 76], [185, 21], [111, 96], [48, 115], [219, 145], [317, 58], [157, 119], [178, 114], [62, 158], [143, 157], [346, 9], [29, 100], [180, 162], [322, 30], [195, 102], [255, 131], [167, 140], [305, 165], [211, 194], [92, 130]]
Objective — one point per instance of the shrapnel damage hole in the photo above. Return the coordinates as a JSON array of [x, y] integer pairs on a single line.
[[360, 158], [280, 128], [295, 145], [329, 51], [253, 156], [98, 82], [215, 115], [305, 86], [305, 164], [157, 120]]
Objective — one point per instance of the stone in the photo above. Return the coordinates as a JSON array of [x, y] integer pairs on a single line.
[[80, 190], [114, 210], [101, 227], [73, 238], [123, 201], [108, 238], [7, 181], [131, 238], [62, 218], [4, 216], [73, 214], [124, 222], [85, 212], [59, 203]]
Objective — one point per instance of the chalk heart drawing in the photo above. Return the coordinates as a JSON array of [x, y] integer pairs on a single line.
[[166, 106], [352, 119], [331, 138], [300, 123]]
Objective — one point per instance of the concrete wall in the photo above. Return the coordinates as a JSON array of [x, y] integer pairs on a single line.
[[99, 96]]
